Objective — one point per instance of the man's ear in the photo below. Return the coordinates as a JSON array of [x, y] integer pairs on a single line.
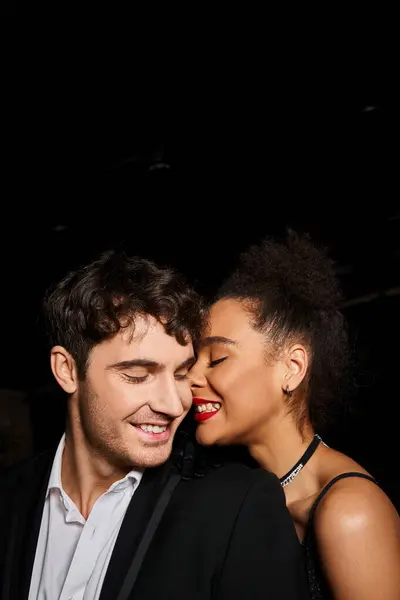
[[64, 369]]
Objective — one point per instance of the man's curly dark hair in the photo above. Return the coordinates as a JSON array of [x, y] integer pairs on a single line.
[[292, 294], [95, 302]]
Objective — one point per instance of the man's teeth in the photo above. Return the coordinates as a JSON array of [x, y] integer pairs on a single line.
[[210, 407], [153, 428]]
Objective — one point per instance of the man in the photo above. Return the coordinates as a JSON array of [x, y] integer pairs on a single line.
[[107, 515]]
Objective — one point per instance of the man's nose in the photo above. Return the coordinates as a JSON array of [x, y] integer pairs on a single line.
[[168, 400]]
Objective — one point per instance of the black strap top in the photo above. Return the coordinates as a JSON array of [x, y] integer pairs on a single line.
[[319, 588]]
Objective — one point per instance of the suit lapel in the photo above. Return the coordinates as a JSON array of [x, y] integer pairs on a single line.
[[132, 528], [28, 509], [30, 503]]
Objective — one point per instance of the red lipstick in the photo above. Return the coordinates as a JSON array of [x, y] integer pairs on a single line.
[[198, 401], [200, 417]]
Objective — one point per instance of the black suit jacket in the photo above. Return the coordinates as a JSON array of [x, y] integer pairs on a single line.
[[226, 535]]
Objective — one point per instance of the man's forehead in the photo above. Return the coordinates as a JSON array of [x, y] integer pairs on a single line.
[[147, 335], [139, 328]]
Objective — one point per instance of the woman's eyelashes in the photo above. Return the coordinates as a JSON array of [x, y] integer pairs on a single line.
[[218, 361]]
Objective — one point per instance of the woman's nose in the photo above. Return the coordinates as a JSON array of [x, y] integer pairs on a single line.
[[196, 377]]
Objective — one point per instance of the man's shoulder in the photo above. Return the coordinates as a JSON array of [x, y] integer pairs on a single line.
[[236, 480], [227, 471], [227, 492], [242, 475], [22, 473]]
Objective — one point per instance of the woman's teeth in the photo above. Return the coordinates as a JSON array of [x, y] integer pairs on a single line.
[[209, 407], [153, 428]]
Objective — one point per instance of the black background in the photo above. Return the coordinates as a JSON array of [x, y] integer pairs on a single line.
[[188, 166]]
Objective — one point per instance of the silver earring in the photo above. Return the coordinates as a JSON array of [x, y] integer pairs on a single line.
[[289, 393]]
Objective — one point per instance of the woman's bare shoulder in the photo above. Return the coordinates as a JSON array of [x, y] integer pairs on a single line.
[[357, 530]]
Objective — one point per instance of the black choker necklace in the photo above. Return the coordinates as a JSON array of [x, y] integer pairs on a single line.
[[286, 479]]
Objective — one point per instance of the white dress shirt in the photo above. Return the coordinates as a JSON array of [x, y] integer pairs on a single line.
[[72, 553]]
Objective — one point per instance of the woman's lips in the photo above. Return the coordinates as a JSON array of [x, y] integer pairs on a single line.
[[200, 417], [210, 409]]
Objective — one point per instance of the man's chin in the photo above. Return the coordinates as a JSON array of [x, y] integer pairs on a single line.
[[152, 457]]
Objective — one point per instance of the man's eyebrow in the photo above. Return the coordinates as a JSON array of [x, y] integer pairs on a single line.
[[150, 364], [215, 339], [137, 362]]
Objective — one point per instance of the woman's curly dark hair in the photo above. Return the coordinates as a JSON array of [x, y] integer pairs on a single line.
[[93, 303], [292, 294]]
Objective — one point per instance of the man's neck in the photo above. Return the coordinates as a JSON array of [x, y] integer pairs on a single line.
[[85, 474]]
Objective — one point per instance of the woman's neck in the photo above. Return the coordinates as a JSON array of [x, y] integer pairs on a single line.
[[281, 446]]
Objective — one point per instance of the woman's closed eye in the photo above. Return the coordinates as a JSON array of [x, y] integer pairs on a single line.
[[218, 361]]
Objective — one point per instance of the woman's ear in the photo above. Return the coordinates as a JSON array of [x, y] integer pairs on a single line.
[[297, 366]]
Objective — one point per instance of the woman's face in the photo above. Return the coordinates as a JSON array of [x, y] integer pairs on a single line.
[[237, 393]]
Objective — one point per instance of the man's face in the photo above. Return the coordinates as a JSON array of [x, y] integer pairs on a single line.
[[135, 395]]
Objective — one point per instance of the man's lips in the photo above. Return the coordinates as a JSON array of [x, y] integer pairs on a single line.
[[153, 431], [157, 423]]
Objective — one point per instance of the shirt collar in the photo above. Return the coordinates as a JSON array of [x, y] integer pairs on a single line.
[[55, 475], [133, 477]]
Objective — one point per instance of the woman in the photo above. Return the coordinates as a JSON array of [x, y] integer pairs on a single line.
[[269, 368]]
